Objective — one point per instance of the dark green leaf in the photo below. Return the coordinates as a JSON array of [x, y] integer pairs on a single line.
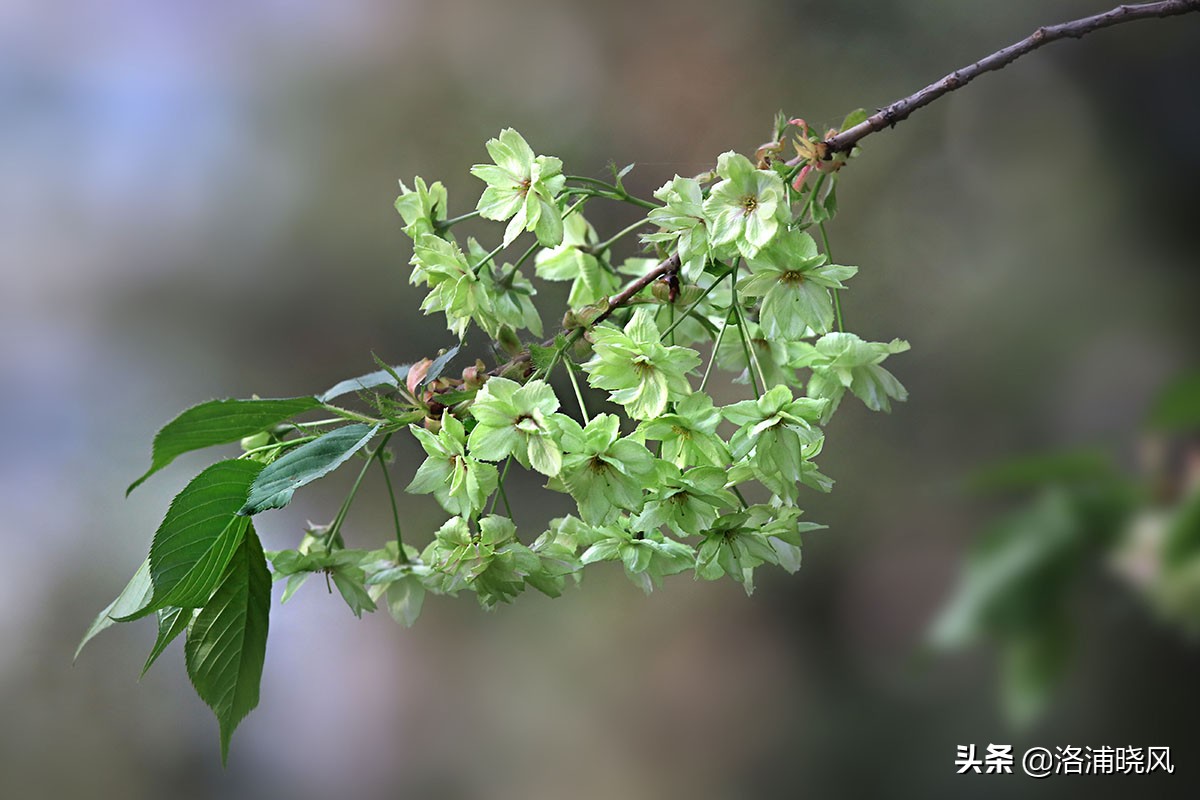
[[198, 536], [227, 643], [439, 364], [275, 485], [219, 422], [132, 598], [171, 623], [1177, 408], [1070, 467], [1182, 541], [392, 376]]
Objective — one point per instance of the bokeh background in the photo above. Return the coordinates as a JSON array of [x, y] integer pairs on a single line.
[[197, 202]]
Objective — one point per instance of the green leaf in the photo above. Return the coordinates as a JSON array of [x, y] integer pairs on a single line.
[[219, 422], [275, 485], [132, 598], [543, 357], [198, 536], [1066, 468], [227, 643], [439, 364], [1177, 408], [171, 623], [854, 118], [381, 377]]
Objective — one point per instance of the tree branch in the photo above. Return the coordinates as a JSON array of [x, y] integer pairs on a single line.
[[902, 108], [1075, 29]]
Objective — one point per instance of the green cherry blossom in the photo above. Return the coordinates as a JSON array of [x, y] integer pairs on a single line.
[[689, 436], [841, 361], [793, 281], [639, 371], [459, 483], [592, 279], [776, 436], [421, 208], [686, 502], [681, 222], [746, 208], [602, 471], [521, 187], [518, 421]]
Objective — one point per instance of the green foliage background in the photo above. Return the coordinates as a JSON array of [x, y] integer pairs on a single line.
[[202, 208]]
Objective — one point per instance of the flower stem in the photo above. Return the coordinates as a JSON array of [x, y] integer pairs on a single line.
[[395, 511], [578, 394], [607, 243], [449, 223], [837, 300], [335, 527], [696, 302]]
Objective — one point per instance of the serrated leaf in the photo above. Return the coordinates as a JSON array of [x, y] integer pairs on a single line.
[[171, 623], [132, 598], [275, 485], [391, 376], [438, 365], [198, 536], [541, 357], [227, 643], [219, 422]]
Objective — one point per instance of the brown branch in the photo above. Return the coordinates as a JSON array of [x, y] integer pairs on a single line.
[[664, 267], [1075, 29], [902, 108], [525, 360]]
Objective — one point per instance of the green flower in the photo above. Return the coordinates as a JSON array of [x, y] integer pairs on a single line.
[[465, 291], [592, 279], [558, 549], [772, 355], [739, 542], [492, 563], [509, 295], [689, 436], [518, 421], [602, 471], [776, 439], [454, 286], [459, 483], [686, 502], [745, 208], [794, 282], [681, 223], [523, 187], [423, 208], [647, 558], [841, 361], [640, 372]]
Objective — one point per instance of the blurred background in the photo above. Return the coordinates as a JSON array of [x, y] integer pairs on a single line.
[[197, 202]]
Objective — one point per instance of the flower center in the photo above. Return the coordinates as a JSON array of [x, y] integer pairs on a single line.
[[749, 204]]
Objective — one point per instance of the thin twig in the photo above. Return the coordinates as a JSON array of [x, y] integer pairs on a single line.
[[1075, 29]]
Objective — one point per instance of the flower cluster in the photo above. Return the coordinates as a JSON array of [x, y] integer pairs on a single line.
[[664, 479], [660, 480]]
